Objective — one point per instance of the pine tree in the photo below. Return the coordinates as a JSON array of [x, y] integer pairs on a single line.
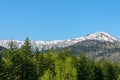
[[26, 48], [9, 61], [28, 68], [11, 49], [37, 53], [36, 62], [85, 68]]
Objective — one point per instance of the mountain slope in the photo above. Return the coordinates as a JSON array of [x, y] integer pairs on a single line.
[[99, 48], [44, 45]]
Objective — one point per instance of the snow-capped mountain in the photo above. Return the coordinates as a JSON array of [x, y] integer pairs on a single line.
[[44, 45]]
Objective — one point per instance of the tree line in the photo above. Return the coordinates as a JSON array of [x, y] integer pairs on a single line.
[[24, 64]]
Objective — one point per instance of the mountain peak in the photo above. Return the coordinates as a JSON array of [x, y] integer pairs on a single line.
[[102, 36], [103, 33]]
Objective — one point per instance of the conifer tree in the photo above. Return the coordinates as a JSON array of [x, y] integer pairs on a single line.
[[85, 68], [36, 54], [9, 61], [28, 68], [26, 48], [36, 62], [11, 49]]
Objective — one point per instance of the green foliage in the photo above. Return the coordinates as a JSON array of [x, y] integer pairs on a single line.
[[47, 75], [63, 72], [118, 77], [110, 70], [24, 64], [26, 48], [98, 72], [85, 68]]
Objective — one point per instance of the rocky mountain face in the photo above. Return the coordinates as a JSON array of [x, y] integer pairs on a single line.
[[96, 49]]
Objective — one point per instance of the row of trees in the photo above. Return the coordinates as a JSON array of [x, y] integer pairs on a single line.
[[24, 64]]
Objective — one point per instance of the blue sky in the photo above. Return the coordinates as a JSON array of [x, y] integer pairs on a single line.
[[57, 19]]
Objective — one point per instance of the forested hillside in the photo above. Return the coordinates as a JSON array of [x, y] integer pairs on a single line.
[[24, 64], [97, 49]]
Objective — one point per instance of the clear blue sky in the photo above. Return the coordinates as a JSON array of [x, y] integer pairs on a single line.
[[57, 19]]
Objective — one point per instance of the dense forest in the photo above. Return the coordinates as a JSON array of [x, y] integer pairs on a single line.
[[24, 64]]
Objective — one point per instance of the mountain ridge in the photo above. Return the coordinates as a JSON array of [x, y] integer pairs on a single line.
[[44, 45]]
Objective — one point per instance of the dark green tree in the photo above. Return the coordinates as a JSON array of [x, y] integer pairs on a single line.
[[28, 68], [2, 70], [26, 48], [110, 70], [85, 68], [98, 71]]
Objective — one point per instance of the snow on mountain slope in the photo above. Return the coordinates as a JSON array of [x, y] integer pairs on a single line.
[[102, 36], [44, 45]]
